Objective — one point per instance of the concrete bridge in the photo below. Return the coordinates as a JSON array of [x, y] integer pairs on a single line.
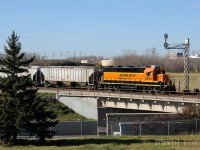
[[95, 104], [112, 108]]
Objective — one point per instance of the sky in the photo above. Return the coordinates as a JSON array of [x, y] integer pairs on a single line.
[[107, 28]]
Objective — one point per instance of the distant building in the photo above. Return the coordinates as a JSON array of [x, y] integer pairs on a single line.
[[175, 55], [195, 56], [103, 62], [107, 62], [90, 61]]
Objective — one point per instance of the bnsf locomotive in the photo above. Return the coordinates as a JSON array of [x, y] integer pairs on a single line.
[[150, 78]]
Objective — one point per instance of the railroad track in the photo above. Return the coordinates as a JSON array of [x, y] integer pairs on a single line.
[[122, 91]]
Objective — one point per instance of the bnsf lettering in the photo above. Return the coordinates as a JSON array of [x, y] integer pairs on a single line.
[[127, 75]]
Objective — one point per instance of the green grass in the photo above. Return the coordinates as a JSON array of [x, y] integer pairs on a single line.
[[64, 112], [193, 80], [112, 143], [72, 117]]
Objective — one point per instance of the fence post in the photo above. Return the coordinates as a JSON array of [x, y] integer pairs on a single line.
[[140, 129], [156, 93], [131, 93], [168, 128], [111, 129], [81, 128], [143, 94], [196, 126], [57, 90]]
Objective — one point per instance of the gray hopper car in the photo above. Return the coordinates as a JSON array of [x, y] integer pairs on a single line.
[[63, 75]]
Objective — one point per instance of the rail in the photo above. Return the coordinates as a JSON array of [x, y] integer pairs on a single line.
[[127, 93]]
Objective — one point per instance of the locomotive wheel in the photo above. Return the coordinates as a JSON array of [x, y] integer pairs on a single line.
[[116, 87]]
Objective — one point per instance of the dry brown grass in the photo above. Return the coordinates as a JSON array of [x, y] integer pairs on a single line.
[[194, 80]]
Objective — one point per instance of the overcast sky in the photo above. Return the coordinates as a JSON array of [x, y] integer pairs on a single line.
[[99, 27]]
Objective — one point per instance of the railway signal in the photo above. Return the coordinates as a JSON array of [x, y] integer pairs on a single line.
[[185, 49]]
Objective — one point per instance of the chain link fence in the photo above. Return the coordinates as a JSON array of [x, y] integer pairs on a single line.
[[70, 128], [175, 127]]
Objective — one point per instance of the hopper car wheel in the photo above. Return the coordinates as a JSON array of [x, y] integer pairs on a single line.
[[156, 88], [89, 87], [96, 87], [102, 86]]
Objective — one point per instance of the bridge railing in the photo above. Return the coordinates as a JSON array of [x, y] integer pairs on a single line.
[[128, 93]]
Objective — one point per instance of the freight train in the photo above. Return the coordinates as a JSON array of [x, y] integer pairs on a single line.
[[144, 77]]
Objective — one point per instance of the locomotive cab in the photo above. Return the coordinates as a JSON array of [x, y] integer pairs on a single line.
[[156, 73], [149, 74]]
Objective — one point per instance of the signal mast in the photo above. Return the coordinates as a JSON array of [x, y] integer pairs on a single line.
[[185, 49]]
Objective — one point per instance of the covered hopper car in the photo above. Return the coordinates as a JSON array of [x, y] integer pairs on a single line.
[[63, 75]]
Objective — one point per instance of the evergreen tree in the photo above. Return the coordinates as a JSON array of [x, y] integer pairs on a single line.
[[18, 98], [44, 117]]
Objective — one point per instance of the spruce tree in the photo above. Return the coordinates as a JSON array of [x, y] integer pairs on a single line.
[[44, 117], [18, 99], [12, 86]]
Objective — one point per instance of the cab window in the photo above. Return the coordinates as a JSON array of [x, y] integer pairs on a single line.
[[148, 74]]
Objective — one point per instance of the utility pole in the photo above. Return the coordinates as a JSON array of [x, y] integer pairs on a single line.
[[61, 53], [185, 49], [53, 56], [74, 56]]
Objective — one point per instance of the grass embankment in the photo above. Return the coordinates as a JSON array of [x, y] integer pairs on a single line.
[[64, 113], [113, 143]]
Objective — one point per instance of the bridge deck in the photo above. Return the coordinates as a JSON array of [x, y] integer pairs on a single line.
[[137, 101], [118, 94]]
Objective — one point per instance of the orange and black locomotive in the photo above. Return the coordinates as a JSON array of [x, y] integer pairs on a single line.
[[149, 78]]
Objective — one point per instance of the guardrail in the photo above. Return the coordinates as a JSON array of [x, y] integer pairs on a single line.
[[128, 93]]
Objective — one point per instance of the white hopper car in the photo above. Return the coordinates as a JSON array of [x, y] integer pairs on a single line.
[[31, 70], [62, 75]]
